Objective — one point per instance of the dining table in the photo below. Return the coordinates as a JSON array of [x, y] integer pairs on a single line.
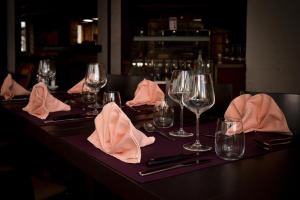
[[262, 173]]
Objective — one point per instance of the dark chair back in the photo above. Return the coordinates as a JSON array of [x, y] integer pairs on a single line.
[[223, 97], [290, 106], [126, 85]]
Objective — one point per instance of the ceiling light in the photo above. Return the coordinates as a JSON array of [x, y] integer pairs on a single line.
[[87, 20]]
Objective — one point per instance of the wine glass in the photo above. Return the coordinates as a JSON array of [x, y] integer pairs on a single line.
[[199, 98], [112, 96], [52, 77], [176, 89], [95, 79], [43, 71]]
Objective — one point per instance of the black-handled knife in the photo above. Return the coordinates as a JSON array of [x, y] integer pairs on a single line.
[[172, 166], [70, 117], [169, 159]]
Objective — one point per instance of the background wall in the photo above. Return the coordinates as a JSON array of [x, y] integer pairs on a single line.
[[273, 46]]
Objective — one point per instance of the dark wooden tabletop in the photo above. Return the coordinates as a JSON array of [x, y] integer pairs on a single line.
[[270, 176]]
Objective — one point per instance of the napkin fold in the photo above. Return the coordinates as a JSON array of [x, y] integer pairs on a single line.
[[116, 135], [147, 93], [41, 102], [11, 88], [76, 88], [258, 113]]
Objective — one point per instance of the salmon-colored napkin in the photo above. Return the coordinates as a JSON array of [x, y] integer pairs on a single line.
[[147, 93], [76, 88], [258, 113], [11, 88], [41, 102], [116, 135]]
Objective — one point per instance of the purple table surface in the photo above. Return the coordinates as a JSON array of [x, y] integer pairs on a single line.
[[164, 147], [161, 147]]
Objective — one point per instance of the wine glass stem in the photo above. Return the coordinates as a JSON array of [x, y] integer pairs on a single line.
[[96, 101], [197, 129], [181, 118]]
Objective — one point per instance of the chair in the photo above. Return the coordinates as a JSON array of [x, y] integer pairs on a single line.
[[24, 75], [290, 106], [126, 85], [16, 181], [223, 97]]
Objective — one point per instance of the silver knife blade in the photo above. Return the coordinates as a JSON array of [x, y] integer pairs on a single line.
[[173, 166]]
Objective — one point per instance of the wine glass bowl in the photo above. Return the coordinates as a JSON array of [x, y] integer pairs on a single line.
[[44, 71], [95, 79], [199, 98]]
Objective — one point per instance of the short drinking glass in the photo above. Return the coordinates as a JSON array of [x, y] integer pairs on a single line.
[[229, 139], [163, 116], [112, 96]]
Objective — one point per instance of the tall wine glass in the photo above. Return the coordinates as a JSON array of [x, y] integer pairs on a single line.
[[95, 79], [199, 98], [176, 89]]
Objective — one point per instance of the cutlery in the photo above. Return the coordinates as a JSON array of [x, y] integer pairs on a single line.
[[15, 100], [135, 110], [279, 140], [169, 159], [68, 118], [172, 166], [267, 145]]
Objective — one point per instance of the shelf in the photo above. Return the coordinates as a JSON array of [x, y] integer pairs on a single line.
[[85, 48], [173, 38]]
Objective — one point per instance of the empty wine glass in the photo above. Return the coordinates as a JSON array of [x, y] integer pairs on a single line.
[[95, 79], [176, 89], [52, 77], [199, 98], [43, 71]]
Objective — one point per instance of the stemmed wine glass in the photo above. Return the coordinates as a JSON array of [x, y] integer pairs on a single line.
[[95, 79], [43, 71], [176, 89], [199, 98]]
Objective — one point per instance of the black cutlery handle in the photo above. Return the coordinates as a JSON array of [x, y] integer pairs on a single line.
[[168, 159], [172, 166]]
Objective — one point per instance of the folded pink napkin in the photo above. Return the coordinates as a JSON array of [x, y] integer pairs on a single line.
[[258, 113], [41, 102], [76, 88], [116, 135], [147, 93], [11, 88]]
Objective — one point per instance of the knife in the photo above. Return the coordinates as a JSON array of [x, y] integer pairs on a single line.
[[15, 100], [169, 159], [172, 166], [69, 118]]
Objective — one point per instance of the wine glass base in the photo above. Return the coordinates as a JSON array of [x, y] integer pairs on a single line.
[[92, 113], [196, 147], [180, 133]]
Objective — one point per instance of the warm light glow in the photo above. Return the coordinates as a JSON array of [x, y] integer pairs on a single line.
[[197, 20], [87, 20], [95, 18], [79, 34], [23, 37], [23, 24]]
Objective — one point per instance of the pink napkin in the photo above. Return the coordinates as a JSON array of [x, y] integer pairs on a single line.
[[147, 92], [11, 88], [258, 113], [116, 135], [76, 88], [41, 102]]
